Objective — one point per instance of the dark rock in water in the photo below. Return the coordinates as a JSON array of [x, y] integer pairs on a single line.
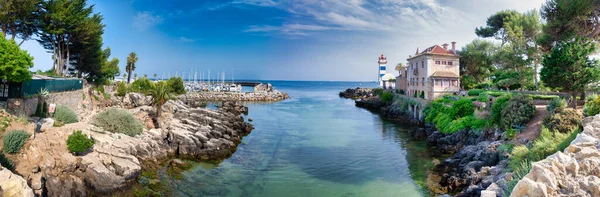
[[468, 171], [418, 134], [357, 93], [373, 103]]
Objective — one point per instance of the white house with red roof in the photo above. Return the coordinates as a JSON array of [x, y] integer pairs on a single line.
[[431, 73]]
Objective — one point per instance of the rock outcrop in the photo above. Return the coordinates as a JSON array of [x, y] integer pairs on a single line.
[[572, 172], [13, 185], [117, 159], [357, 93]]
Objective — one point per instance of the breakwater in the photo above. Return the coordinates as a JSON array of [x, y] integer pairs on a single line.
[[234, 96]]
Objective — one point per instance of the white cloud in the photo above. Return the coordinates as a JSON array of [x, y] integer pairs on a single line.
[[365, 15], [184, 39], [145, 20], [287, 29]]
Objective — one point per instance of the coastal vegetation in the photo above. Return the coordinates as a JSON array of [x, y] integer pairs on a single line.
[[14, 62], [64, 115], [118, 121], [130, 67], [14, 140], [78, 142], [161, 93]]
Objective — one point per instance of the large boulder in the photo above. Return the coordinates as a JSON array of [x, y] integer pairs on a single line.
[[13, 185]]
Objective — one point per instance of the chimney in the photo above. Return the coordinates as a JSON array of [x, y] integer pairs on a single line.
[[445, 46], [453, 46], [417, 53]]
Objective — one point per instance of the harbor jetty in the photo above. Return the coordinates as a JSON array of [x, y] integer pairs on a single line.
[[263, 92], [234, 96]]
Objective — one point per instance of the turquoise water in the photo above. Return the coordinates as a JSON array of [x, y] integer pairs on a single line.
[[314, 144]]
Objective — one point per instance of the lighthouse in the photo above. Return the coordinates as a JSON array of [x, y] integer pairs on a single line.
[[382, 70]]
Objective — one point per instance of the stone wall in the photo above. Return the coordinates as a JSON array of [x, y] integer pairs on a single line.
[[27, 106], [572, 172]]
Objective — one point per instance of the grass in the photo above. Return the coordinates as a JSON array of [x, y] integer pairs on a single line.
[[547, 144]]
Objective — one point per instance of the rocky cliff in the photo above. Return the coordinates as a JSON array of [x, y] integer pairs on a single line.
[[572, 172], [117, 159]]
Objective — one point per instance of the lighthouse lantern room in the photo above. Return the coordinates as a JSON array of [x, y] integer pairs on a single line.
[[382, 69]]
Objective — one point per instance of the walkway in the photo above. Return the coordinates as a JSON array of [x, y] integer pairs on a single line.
[[534, 127]]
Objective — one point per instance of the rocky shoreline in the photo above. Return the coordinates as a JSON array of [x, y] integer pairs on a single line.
[[117, 160], [264, 96], [475, 163]]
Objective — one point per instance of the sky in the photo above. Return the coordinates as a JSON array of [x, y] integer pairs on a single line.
[[324, 40]]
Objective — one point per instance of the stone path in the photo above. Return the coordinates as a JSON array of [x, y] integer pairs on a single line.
[[534, 127]]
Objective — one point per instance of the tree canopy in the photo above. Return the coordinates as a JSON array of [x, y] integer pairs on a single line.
[[14, 62], [476, 62], [18, 18], [495, 25], [567, 19], [569, 67], [68, 28], [130, 67]]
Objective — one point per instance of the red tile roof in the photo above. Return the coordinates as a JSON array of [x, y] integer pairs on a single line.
[[435, 50]]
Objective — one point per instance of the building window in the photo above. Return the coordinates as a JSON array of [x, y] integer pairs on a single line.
[[423, 81], [454, 83], [437, 82], [447, 83], [422, 64], [449, 63], [437, 62], [443, 62]]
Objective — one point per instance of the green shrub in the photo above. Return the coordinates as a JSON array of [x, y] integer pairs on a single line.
[[65, 115], [121, 89], [497, 93], [464, 123], [378, 91], [142, 85], [499, 104], [484, 85], [386, 97], [400, 91], [118, 121], [483, 97], [593, 107], [176, 85], [422, 95], [518, 111], [101, 89], [14, 140], [6, 162], [475, 92], [433, 109], [461, 108], [556, 103], [563, 120], [79, 142], [544, 97]]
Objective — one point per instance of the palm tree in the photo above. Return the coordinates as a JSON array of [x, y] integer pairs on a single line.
[[124, 75], [161, 93], [155, 75], [130, 67], [145, 76], [135, 76], [399, 68]]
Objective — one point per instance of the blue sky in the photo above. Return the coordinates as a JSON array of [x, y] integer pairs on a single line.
[[283, 39]]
